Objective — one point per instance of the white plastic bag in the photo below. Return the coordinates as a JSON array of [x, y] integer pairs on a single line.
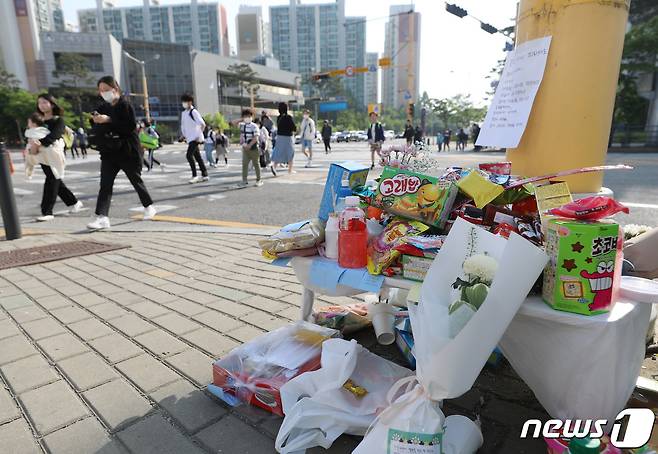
[[317, 407]]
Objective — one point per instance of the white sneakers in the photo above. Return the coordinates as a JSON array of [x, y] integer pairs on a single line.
[[101, 222], [206, 178], [198, 179], [149, 212], [45, 218], [259, 183], [76, 208], [309, 164]]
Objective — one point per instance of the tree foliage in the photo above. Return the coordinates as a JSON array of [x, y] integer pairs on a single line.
[[73, 73], [216, 121], [243, 77]]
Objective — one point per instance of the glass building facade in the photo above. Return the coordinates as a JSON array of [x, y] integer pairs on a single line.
[[200, 26]]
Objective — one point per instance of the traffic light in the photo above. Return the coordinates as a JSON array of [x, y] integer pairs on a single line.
[[456, 10], [488, 28], [410, 109], [321, 76]]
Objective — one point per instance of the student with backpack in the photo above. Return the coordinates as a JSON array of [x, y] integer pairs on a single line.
[[192, 126], [221, 147], [249, 138], [209, 145]]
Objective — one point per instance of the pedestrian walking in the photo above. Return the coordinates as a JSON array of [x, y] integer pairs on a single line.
[[439, 139], [114, 122], [375, 137], [462, 139], [52, 145], [266, 122], [308, 134], [446, 139], [418, 135], [284, 151], [326, 136], [209, 145], [69, 142], [221, 147], [81, 139], [264, 145], [249, 137], [475, 133], [192, 126], [409, 132]]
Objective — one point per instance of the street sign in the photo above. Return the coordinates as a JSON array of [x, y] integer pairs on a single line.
[[154, 100], [374, 108], [384, 61], [332, 106], [407, 95], [337, 72], [349, 71], [361, 69], [372, 68]]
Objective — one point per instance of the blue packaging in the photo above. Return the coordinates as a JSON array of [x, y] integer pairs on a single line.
[[355, 173]]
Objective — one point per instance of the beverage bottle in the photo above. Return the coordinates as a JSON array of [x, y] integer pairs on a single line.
[[584, 446], [343, 192], [331, 237], [353, 235]]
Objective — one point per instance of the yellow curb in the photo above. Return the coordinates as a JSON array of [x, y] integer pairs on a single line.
[[211, 222]]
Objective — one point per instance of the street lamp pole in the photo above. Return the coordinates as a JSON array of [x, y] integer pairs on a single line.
[[145, 89]]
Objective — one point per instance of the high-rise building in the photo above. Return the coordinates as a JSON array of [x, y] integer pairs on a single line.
[[250, 32], [310, 38], [21, 22], [372, 79], [203, 26], [402, 44]]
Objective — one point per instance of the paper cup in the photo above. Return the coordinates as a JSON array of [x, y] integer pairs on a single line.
[[383, 320], [462, 435]]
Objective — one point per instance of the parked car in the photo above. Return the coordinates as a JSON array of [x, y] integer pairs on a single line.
[[343, 136], [334, 137], [362, 135], [389, 134]]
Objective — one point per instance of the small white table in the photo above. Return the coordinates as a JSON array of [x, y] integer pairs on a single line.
[[579, 367]]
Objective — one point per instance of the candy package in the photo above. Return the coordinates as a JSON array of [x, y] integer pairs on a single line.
[[347, 319], [589, 209], [301, 235], [381, 251]]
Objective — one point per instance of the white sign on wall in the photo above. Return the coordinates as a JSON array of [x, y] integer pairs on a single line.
[[508, 114]]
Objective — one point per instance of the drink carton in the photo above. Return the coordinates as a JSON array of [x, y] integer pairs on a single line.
[[580, 275], [355, 173]]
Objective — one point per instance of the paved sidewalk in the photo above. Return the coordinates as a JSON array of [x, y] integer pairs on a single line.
[[111, 353]]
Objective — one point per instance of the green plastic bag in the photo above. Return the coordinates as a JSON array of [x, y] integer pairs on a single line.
[[148, 142]]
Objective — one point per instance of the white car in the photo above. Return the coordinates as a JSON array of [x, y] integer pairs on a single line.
[[389, 134]]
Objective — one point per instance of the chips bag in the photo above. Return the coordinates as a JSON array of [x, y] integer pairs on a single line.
[[381, 252], [589, 209]]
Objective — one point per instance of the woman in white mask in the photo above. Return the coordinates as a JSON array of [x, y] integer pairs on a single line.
[[115, 129]]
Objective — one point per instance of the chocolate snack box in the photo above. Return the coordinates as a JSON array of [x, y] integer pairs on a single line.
[[580, 273]]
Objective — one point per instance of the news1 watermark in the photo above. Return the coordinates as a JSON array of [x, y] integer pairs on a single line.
[[638, 423]]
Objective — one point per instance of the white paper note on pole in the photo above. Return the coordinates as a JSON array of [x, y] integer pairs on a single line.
[[508, 114]]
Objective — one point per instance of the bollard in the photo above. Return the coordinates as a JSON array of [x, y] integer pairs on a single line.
[[7, 201]]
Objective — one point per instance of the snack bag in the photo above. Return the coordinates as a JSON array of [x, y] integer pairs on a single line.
[[292, 237], [381, 251], [589, 209], [415, 196], [479, 188], [583, 268], [347, 319]]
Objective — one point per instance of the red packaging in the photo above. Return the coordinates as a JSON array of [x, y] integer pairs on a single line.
[[256, 371], [589, 209], [500, 168]]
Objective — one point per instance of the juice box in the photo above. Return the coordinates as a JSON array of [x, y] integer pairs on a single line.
[[580, 274], [356, 173], [415, 268], [415, 196]]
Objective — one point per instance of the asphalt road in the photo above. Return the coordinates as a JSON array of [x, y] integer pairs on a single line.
[[286, 198]]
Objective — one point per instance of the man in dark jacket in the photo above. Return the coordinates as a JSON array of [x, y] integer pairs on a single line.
[[375, 137], [326, 136], [409, 132], [418, 134]]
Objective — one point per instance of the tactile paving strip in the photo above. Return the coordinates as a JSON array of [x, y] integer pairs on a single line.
[[53, 252]]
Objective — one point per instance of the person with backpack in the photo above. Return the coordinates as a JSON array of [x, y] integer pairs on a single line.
[[53, 186], [114, 129], [192, 127], [154, 144], [69, 142], [409, 133], [210, 141], [249, 137], [264, 144], [221, 147]]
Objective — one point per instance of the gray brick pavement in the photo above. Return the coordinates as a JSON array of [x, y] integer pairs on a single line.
[[111, 352]]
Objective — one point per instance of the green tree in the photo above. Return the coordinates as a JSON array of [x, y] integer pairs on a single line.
[[8, 80], [73, 73], [244, 78], [457, 111], [216, 121]]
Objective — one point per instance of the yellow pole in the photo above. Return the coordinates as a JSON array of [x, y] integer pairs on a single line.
[[570, 122]]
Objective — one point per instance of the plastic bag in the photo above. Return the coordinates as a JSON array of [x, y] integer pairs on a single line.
[[381, 251], [589, 209], [318, 406], [301, 235], [255, 371], [346, 319]]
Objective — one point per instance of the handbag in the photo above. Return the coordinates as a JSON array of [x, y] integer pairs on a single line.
[[101, 138]]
